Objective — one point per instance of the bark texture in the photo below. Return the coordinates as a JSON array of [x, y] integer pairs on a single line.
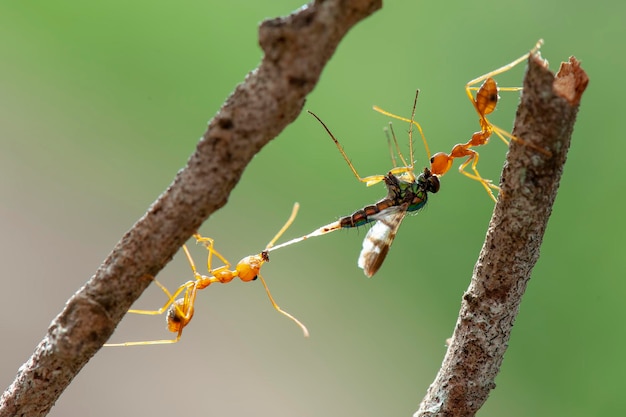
[[296, 49], [530, 180]]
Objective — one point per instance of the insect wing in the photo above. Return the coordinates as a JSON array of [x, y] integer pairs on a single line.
[[379, 238]]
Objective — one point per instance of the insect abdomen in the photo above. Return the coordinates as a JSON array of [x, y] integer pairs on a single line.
[[365, 215]]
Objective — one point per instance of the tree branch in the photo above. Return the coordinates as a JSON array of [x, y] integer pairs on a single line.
[[545, 118], [296, 50]]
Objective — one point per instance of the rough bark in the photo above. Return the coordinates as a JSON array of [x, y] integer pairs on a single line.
[[296, 49], [529, 183]]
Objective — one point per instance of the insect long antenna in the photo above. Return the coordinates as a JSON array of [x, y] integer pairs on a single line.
[[343, 153], [417, 92], [391, 138], [281, 311], [389, 144]]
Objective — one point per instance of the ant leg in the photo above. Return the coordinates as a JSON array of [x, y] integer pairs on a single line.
[[508, 89], [171, 298], [486, 100], [210, 246], [281, 311], [147, 342], [179, 313], [413, 123], [487, 184], [504, 68], [395, 141], [487, 94], [513, 89], [282, 230], [223, 274], [502, 133]]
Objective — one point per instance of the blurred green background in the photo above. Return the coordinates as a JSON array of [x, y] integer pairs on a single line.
[[102, 103]]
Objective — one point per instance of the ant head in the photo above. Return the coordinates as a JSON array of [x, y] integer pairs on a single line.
[[248, 268], [440, 163]]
